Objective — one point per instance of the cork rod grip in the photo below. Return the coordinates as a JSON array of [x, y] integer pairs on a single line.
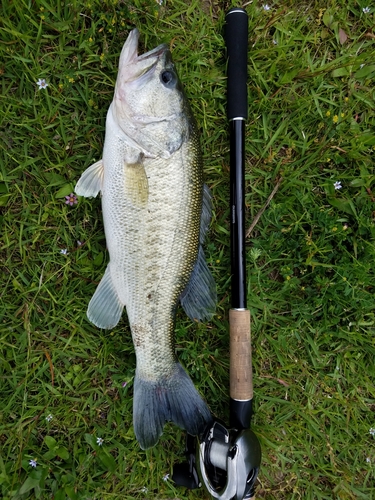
[[241, 376]]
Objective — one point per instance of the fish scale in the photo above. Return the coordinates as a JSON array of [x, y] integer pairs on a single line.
[[164, 235], [156, 211]]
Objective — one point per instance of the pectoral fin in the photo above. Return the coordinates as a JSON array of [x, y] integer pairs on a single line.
[[91, 181], [136, 184], [105, 308]]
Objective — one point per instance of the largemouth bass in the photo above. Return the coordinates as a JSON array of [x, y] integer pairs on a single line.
[[156, 211]]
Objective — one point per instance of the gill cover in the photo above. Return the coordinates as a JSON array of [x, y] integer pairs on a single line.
[[148, 104]]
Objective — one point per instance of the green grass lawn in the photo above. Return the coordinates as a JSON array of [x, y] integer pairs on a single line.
[[311, 281]]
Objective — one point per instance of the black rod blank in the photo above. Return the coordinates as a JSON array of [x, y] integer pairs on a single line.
[[237, 204], [236, 35]]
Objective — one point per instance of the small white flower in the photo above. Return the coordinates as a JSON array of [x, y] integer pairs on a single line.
[[166, 477], [144, 489], [266, 7], [337, 185], [33, 463], [99, 441], [79, 243], [372, 431], [49, 418], [368, 460], [274, 42], [366, 10], [64, 251], [160, 2], [42, 84]]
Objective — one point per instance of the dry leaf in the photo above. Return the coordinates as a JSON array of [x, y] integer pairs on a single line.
[[281, 381], [342, 36]]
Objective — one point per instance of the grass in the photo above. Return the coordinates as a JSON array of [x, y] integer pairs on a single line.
[[310, 256]]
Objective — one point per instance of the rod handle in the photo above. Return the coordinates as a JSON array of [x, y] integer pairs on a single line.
[[236, 35], [241, 375]]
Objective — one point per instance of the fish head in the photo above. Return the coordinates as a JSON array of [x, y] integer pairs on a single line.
[[149, 103]]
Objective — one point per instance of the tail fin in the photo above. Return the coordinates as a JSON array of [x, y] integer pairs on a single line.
[[172, 399]]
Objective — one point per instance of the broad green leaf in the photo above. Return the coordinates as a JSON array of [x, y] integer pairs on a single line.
[[50, 442], [99, 259], [4, 478], [327, 18], [367, 139], [62, 452], [49, 454], [365, 71], [4, 199], [59, 495], [72, 495], [89, 438], [340, 72], [107, 460], [64, 190], [54, 179], [346, 206], [28, 485], [288, 77], [358, 182]]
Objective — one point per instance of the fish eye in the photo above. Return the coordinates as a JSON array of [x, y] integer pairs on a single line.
[[168, 78]]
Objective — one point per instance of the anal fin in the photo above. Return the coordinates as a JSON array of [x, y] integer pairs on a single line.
[[105, 309]]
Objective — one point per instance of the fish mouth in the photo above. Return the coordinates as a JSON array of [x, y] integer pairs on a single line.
[[133, 66], [157, 52]]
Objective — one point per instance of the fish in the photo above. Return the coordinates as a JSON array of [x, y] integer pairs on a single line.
[[156, 212]]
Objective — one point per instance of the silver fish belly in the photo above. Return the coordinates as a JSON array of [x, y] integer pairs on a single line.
[[156, 212]]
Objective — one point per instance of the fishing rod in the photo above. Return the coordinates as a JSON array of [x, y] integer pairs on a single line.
[[228, 460]]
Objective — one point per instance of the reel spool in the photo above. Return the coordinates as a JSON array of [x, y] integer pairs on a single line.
[[229, 462]]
